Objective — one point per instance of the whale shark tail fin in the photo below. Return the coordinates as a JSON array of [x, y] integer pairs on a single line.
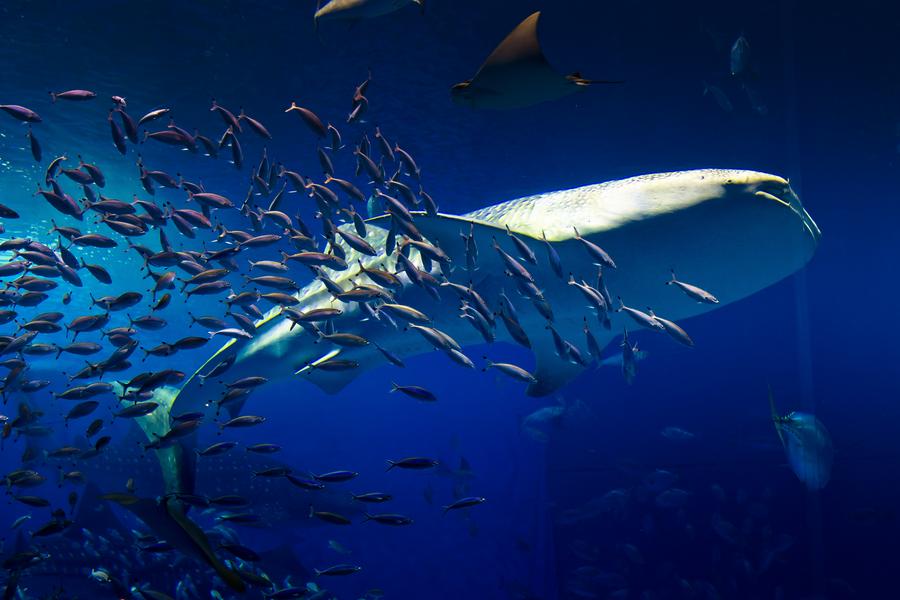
[[167, 520]]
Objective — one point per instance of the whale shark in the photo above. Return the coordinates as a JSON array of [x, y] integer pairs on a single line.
[[733, 232]]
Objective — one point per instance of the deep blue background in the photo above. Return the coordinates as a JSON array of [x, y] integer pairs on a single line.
[[824, 339]]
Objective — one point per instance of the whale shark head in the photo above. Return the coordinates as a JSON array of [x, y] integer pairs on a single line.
[[733, 231], [604, 207]]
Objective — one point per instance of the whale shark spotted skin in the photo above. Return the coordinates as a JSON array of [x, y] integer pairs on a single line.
[[732, 232]]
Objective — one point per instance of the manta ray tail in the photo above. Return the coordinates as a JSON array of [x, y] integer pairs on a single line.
[[577, 79]]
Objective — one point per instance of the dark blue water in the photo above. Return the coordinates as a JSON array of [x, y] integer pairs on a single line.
[[823, 338]]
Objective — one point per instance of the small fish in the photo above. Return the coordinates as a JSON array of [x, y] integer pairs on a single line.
[[361, 9], [19, 521], [76, 95], [740, 56], [413, 462], [255, 125], [414, 391], [339, 548], [216, 449], [553, 256], [595, 251], [263, 448], [640, 317], [33, 501], [243, 421], [694, 292], [389, 519], [464, 503], [373, 497], [629, 359], [328, 517], [672, 498], [674, 330], [310, 119], [239, 518], [719, 96], [247, 382], [305, 483], [676, 434], [336, 476], [273, 472], [512, 265], [226, 115], [35, 145], [21, 113], [525, 253], [242, 552], [513, 371], [153, 115], [338, 570], [82, 409], [138, 409]]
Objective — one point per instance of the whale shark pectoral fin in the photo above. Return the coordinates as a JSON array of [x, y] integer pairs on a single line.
[[551, 372]]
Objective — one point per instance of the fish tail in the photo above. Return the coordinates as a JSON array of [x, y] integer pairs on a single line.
[[776, 420]]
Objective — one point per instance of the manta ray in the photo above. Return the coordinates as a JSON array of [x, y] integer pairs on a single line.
[[733, 232], [516, 74], [361, 9]]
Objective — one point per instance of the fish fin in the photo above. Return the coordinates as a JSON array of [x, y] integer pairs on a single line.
[[776, 420], [551, 371], [332, 382]]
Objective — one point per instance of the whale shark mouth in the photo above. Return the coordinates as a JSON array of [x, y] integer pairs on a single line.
[[785, 194]]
